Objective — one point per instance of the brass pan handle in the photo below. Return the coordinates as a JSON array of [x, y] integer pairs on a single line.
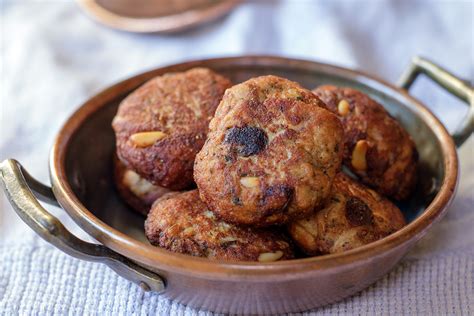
[[18, 186], [457, 87]]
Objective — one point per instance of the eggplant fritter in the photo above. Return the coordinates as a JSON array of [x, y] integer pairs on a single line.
[[377, 148], [161, 126], [134, 190], [181, 222], [271, 154], [353, 216]]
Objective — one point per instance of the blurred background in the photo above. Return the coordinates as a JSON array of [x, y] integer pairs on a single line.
[[54, 57]]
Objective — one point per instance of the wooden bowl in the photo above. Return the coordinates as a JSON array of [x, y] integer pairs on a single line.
[[81, 176], [157, 16]]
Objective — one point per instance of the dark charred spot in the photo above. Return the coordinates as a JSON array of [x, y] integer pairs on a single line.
[[227, 244], [277, 197], [280, 190], [246, 140], [273, 211], [236, 200], [229, 158], [235, 197], [358, 213], [335, 199]]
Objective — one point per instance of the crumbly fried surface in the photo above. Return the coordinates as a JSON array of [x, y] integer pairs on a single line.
[[387, 159], [134, 190], [353, 216], [181, 222], [271, 154], [161, 126]]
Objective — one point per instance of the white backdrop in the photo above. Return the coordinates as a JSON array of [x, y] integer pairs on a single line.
[[53, 58]]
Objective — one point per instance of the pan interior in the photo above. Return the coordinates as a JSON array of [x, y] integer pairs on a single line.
[[89, 154]]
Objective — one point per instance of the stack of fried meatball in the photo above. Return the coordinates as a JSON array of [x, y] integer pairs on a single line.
[[252, 172]]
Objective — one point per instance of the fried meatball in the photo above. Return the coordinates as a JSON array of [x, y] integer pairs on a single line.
[[181, 222], [271, 154], [134, 190], [354, 216], [161, 126], [377, 148]]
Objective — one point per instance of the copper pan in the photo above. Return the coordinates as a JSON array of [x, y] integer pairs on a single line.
[[81, 177]]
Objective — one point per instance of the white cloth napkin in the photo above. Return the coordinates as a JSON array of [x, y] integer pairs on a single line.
[[53, 58]]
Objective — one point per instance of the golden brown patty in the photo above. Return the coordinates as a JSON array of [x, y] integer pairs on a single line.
[[354, 216], [163, 124], [136, 191], [377, 148], [181, 222], [271, 154]]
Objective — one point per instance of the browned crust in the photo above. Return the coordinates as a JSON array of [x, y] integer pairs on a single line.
[[271, 129], [391, 157], [182, 223], [140, 203], [179, 105], [354, 216]]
